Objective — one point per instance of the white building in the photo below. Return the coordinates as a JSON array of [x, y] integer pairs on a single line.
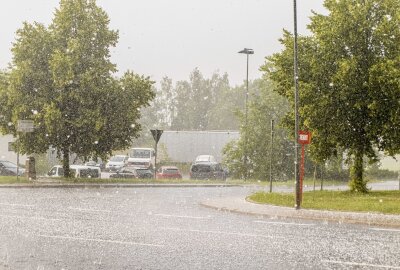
[[185, 146], [6, 152]]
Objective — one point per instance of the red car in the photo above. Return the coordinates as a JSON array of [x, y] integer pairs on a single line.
[[168, 172]]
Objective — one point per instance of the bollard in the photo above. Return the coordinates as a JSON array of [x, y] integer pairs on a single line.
[[30, 168]]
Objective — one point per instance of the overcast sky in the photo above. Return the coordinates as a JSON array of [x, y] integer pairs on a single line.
[[171, 37]]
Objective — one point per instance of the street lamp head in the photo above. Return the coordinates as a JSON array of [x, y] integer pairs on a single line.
[[247, 51]]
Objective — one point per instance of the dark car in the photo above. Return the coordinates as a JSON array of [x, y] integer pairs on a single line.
[[144, 173], [125, 172], [207, 170], [9, 168]]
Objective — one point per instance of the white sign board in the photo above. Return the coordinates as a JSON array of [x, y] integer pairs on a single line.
[[25, 126]]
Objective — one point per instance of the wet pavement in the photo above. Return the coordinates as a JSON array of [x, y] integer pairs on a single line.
[[167, 228]]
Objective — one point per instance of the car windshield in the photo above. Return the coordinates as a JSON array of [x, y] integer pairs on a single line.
[[205, 158], [127, 170], [117, 159], [143, 171], [140, 153], [171, 171], [201, 168], [8, 164]]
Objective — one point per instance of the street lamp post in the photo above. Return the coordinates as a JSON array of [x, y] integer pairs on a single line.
[[246, 51], [296, 112]]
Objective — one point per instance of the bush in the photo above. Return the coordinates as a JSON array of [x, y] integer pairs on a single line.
[[381, 174]]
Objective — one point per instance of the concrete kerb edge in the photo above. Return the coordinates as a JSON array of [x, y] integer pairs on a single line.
[[112, 185], [306, 214]]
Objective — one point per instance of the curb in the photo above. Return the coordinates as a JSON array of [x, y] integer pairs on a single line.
[[242, 206], [89, 185]]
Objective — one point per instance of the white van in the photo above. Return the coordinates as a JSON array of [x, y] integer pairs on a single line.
[[78, 171], [142, 158]]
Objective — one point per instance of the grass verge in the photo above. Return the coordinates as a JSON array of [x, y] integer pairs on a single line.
[[13, 180], [387, 202]]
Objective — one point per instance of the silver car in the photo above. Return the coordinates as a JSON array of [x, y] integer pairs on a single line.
[[9, 168]]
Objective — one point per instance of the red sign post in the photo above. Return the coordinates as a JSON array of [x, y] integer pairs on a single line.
[[304, 139]]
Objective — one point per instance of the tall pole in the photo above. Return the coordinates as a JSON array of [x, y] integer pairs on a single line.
[[398, 176], [245, 118], [155, 160], [156, 135], [17, 157], [296, 108], [246, 51], [271, 155]]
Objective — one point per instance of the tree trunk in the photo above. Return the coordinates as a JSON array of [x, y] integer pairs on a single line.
[[357, 183], [66, 162]]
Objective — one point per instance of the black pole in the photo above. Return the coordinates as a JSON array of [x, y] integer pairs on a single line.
[[322, 177], [296, 105], [155, 160], [271, 155], [246, 51], [245, 123], [156, 135]]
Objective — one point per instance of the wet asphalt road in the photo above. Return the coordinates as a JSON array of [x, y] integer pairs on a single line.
[[166, 228]]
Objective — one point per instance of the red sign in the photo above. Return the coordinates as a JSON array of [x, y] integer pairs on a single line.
[[304, 137]]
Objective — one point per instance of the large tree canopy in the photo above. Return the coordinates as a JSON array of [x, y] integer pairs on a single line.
[[264, 105], [349, 70], [61, 77]]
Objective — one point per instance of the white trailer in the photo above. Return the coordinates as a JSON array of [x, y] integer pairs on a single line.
[[185, 146]]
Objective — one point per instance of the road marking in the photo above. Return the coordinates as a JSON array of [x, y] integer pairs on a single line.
[[226, 233], [99, 240], [176, 216], [15, 204], [361, 264], [38, 218], [89, 210], [385, 230], [284, 223]]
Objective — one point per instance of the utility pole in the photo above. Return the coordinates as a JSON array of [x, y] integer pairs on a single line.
[[156, 136], [271, 155], [296, 105], [247, 52]]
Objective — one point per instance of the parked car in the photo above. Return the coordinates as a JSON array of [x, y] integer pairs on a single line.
[[144, 173], [132, 172], [9, 168], [125, 172], [116, 163], [207, 170], [168, 172], [78, 171], [97, 163]]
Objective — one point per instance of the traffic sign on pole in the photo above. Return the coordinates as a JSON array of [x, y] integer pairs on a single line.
[[304, 139], [156, 134], [25, 126]]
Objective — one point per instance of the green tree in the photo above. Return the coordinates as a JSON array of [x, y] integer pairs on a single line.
[[192, 103], [62, 79], [349, 86], [204, 103], [264, 105], [226, 102], [165, 103]]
